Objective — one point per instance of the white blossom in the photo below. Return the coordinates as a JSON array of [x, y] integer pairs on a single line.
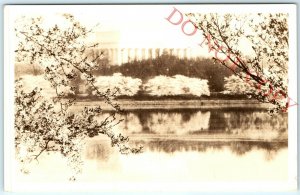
[[177, 85]]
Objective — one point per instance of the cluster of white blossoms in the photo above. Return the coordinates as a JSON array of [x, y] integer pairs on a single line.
[[40, 81], [177, 85], [235, 85], [269, 91], [29, 80], [126, 85]]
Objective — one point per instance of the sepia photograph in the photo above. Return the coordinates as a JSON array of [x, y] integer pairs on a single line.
[[150, 97]]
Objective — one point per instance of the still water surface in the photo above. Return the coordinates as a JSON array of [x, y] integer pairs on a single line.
[[184, 145]]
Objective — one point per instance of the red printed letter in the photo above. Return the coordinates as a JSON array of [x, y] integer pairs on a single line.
[[233, 65], [282, 95], [220, 49], [270, 87], [188, 34], [288, 104], [208, 38], [172, 14], [248, 77]]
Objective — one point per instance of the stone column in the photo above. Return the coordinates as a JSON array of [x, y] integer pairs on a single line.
[[119, 56], [143, 52], [128, 55], [160, 51], [140, 53], [147, 53], [115, 56], [189, 53], [124, 55], [156, 53], [111, 56], [135, 54], [178, 53], [152, 53], [105, 54], [185, 53]]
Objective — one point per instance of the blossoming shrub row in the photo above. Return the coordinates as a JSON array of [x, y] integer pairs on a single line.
[[128, 86], [176, 85], [235, 85], [30, 82]]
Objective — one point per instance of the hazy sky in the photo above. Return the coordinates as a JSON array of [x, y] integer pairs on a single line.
[[139, 26], [144, 26]]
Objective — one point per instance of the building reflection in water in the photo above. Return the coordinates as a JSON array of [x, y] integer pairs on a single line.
[[252, 124], [170, 131]]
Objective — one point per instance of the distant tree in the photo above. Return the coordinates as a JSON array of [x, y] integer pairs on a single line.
[[169, 65], [126, 86], [234, 85], [45, 124], [177, 85], [263, 65]]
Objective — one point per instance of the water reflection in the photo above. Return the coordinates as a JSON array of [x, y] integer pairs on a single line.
[[184, 145], [158, 122], [101, 151], [251, 124], [169, 131]]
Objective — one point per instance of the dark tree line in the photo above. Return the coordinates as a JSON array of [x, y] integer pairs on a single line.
[[170, 65], [165, 64]]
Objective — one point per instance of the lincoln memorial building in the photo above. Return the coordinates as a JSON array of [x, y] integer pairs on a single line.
[[112, 47], [118, 56]]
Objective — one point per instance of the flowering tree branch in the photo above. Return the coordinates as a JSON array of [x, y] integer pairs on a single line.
[[265, 66], [45, 124]]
